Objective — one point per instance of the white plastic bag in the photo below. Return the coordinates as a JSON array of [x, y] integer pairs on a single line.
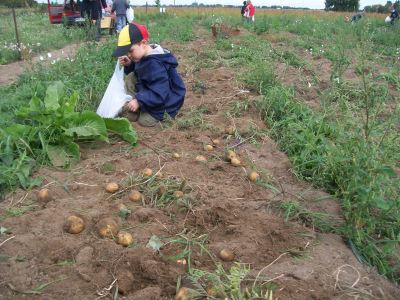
[[130, 14], [115, 96], [388, 19]]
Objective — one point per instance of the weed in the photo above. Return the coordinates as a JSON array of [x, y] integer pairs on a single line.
[[232, 284], [238, 108], [321, 221]]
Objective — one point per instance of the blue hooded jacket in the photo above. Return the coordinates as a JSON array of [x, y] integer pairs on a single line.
[[159, 88]]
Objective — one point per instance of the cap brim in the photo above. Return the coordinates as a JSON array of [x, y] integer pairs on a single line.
[[121, 50]]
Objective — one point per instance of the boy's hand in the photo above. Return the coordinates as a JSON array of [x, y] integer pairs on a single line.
[[133, 105], [124, 60]]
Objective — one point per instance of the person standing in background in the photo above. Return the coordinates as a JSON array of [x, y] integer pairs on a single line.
[[249, 11], [243, 10], [93, 9], [120, 7]]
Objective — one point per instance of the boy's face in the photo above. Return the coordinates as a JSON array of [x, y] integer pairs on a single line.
[[137, 52]]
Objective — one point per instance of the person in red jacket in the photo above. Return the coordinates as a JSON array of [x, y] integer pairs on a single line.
[[249, 11]]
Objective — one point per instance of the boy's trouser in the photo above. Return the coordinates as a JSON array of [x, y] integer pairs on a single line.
[[144, 118]]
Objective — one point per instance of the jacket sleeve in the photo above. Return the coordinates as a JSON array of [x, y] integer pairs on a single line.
[[154, 88], [113, 7], [129, 69], [104, 4]]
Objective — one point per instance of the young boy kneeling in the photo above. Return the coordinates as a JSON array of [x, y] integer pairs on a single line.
[[153, 80]]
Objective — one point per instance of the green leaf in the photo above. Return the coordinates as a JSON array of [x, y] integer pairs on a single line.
[[36, 104], [70, 103], [86, 125], [3, 230], [54, 94], [63, 155], [18, 130], [122, 127], [155, 243]]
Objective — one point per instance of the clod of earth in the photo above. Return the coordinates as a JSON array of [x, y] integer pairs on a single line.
[[121, 206], [135, 196], [208, 148], [182, 294], [178, 194], [108, 227], [147, 172], [253, 176], [44, 196], [226, 255], [74, 225], [112, 187], [124, 238], [176, 155], [201, 158]]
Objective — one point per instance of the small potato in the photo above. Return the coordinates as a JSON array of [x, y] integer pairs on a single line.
[[124, 238], [235, 162], [208, 148], [230, 154], [135, 196], [44, 196], [182, 294], [74, 225], [201, 158], [176, 155], [229, 130], [216, 142], [112, 187], [178, 194], [226, 255], [121, 206], [147, 172], [253, 176], [107, 227]]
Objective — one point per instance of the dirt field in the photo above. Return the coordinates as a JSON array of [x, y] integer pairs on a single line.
[[220, 202]]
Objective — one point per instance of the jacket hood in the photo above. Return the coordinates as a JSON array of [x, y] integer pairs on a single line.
[[163, 55]]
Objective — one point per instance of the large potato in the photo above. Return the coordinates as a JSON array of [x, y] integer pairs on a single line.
[[74, 224], [107, 227]]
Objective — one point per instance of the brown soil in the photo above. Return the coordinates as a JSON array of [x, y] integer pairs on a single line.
[[224, 204]]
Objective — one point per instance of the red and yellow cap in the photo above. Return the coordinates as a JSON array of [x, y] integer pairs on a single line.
[[131, 34]]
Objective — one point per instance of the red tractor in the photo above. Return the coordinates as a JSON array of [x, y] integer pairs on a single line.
[[64, 11]]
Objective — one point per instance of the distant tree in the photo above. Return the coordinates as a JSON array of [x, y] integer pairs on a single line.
[[158, 3], [342, 5]]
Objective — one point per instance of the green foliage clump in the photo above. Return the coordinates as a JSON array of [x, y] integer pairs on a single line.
[[48, 131]]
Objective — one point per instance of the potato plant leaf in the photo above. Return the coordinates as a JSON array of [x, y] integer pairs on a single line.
[[63, 155], [53, 96], [123, 128], [86, 125]]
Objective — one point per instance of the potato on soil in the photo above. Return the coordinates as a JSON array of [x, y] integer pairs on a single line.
[[121, 206], [230, 154], [44, 195], [226, 255], [216, 142], [235, 162], [135, 196], [178, 194], [201, 158], [107, 227], [183, 294], [253, 176], [124, 238], [208, 148], [176, 155], [74, 225], [147, 172], [112, 187], [229, 130]]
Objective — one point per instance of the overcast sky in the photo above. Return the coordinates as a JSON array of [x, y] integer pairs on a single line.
[[294, 3]]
